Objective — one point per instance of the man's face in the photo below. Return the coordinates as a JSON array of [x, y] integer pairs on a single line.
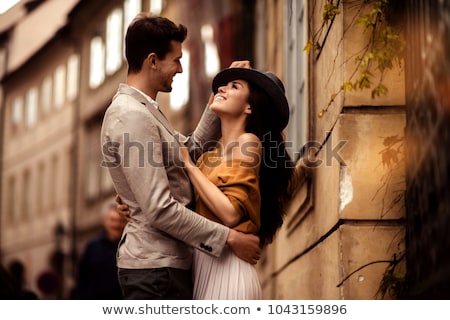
[[169, 67]]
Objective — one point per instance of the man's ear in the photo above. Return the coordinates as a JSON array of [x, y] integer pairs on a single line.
[[151, 58]]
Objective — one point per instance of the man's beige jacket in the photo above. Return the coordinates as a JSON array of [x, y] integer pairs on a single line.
[[140, 150]]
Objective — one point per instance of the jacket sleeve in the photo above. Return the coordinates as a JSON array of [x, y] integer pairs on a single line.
[[205, 135]]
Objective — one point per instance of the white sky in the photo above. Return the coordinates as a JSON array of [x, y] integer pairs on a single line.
[[6, 4]]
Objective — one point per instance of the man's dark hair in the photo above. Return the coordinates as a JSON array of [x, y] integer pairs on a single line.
[[148, 33]]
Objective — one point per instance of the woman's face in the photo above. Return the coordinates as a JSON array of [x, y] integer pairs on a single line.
[[232, 99]]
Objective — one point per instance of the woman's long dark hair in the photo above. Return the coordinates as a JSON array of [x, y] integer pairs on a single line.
[[277, 167]]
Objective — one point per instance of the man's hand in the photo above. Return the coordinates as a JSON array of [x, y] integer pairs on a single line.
[[245, 246], [122, 208]]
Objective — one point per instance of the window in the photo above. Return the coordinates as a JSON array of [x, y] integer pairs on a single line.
[[297, 94], [73, 67], [296, 75], [156, 6], [97, 62], [180, 86], [2, 62], [98, 180], [212, 61], [65, 187], [92, 187], [46, 95], [31, 106], [131, 8], [59, 83], [106, 183], [93, 156], [114, 41], [12, 202], [27, 195], [53, 186], [17, 111], [40, 195]]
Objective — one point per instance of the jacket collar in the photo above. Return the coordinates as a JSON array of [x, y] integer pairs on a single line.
[[128, 90]]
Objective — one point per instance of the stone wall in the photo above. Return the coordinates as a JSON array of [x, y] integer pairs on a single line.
[[345, 225]]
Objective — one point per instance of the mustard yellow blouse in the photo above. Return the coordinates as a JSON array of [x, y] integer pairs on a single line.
[[239, 181]]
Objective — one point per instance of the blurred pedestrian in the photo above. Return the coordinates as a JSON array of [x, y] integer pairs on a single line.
[[97, 272], [8, 288], [17, 270]]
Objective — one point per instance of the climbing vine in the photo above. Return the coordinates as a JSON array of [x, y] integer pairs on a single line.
[[393, 282], [382, 51]]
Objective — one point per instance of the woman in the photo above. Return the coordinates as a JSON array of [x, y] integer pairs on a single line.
[[244, 182]]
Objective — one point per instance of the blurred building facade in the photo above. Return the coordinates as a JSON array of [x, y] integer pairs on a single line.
[[345, 226]]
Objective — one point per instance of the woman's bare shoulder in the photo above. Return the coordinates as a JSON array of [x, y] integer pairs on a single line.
[[249, 148], [248, 138]]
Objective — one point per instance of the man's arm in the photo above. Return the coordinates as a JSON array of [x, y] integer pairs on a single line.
[[142, 180], [245, 246]]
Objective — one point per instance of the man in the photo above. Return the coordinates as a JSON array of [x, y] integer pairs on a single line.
[[97, 273], [141, 151]]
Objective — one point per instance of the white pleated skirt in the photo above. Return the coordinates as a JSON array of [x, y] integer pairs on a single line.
[[224, 278]]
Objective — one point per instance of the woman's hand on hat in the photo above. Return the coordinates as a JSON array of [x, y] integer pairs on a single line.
[[234, 64], [241, 64]]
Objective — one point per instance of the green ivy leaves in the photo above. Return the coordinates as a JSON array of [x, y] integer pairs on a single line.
[[381, 53]]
